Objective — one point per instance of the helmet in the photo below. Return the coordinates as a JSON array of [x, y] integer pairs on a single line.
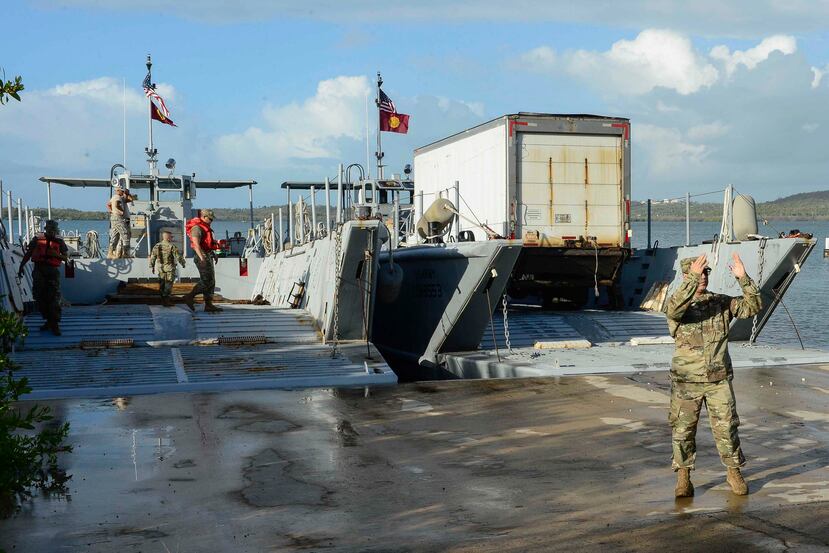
[[51, 224], [208, 214]]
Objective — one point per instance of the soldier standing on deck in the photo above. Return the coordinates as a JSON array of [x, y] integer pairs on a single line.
[[167, 254], [47, 251], [202, 241], [119, 224], [701, 369]]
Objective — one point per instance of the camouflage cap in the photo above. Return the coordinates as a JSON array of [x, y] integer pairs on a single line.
[[208, 214], [51, 224]]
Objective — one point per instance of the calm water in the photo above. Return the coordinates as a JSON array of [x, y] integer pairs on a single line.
[[808, 296], [807, 299]]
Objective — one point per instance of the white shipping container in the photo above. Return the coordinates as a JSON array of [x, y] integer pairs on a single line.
[[566, 178]]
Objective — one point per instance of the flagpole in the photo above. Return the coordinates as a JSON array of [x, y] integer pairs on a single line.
[[124, 88], [368, 142], [151, 152], [379, 153]]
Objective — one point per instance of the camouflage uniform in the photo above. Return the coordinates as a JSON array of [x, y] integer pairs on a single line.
[[46, 284], [701, 369], [119, 229], [167, 254], [207, 272]]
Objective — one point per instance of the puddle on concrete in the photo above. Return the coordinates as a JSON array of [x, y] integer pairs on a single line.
[[627, 391], [626, 423], [810, 416], [348, 436], [799, 492], [414, 405], [148, 449]]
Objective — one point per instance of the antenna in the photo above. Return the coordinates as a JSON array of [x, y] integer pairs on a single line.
[[151, 152], [124, 83]]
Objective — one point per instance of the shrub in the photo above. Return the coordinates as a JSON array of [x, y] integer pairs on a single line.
[[29, 439]]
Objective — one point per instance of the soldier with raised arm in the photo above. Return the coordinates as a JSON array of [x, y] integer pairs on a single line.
[[701, 369]]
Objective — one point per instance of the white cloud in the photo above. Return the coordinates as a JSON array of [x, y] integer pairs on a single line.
[[541, 58], [308, 130], [698, 133], [784, 44], [71, 124], [448, 104], [665, 108], [655, 58], [667, 150], [744, 18], [810, 127], [818, 74]]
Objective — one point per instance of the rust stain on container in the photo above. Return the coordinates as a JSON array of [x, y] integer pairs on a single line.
[[552, 197], [586, 195]]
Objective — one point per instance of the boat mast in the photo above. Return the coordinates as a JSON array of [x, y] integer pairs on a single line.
[[379, 152], [151, 152]]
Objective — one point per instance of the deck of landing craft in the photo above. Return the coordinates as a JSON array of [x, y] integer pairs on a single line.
[[173, 349]]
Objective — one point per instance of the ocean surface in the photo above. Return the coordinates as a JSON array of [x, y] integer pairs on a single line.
[[807, 299]]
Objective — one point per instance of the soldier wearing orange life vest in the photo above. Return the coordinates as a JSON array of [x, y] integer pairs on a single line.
[[47, 251], [203, 243]]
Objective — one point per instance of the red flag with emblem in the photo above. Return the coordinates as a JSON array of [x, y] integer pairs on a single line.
[[394, 122], [159, 116]]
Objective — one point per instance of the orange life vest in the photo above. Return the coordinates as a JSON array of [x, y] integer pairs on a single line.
[[47, 250], [207, 242]]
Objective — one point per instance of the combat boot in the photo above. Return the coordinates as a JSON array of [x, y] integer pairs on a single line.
[[210, 308], [684, 488], [165, 301], [189, 300], [55, 328], [736, 481]]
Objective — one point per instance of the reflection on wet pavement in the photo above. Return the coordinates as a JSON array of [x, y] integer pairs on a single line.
[[533, 465]]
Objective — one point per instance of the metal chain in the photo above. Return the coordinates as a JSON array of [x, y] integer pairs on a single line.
[[337, 269], [506, 323], [762, 260]]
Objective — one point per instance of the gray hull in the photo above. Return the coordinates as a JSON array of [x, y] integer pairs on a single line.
[[313, 268], [443, 304]]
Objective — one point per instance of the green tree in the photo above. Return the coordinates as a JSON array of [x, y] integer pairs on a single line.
[[10, 89], [30, 440]]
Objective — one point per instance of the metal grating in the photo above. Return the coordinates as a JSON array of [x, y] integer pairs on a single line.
[[254, 362], [99, 344], [90, 323], [284, 326], [624, 325], [526, 328], [102, 368], [242, 340]]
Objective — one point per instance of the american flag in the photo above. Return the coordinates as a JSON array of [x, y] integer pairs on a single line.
[[149, 91], [386, 104]]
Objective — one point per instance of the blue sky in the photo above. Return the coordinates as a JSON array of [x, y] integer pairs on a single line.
[[273, 90]]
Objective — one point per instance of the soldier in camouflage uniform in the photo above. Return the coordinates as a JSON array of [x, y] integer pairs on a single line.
[[47, 251], [701, 369], [119, 224], [167, 255]]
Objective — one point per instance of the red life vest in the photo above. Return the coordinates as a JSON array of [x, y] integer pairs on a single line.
[[207, 242], [47, 250]]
